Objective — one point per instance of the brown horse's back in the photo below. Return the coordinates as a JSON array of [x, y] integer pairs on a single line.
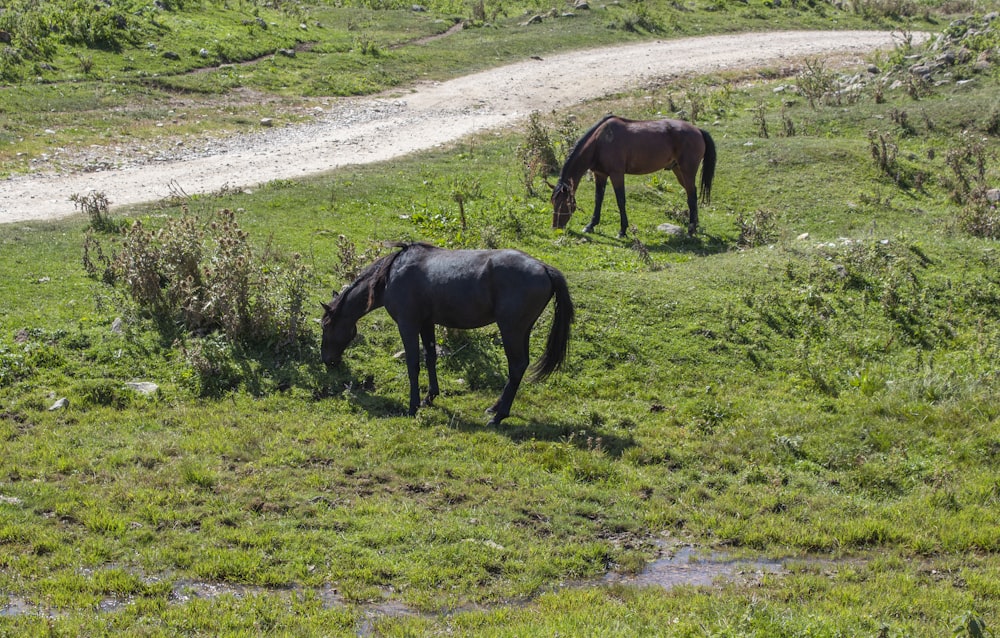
[[639, 147]]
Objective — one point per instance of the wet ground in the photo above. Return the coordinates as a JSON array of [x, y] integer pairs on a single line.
[[680, 566]]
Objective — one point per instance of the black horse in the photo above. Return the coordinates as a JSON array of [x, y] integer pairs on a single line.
[[616, 146], [422, 286]]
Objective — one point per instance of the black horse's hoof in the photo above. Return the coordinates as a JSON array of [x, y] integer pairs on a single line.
[[495, 418]]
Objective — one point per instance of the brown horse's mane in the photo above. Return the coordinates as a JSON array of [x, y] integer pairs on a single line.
[[574, 154]]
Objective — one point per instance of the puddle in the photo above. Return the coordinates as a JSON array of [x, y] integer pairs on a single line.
[[689, 567], [17, 607], [684, 566]]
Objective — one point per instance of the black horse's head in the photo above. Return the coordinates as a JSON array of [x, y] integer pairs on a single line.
[[563, 204], [338, 332]]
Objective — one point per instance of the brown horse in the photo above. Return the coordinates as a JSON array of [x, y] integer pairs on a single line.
[[616, 146]]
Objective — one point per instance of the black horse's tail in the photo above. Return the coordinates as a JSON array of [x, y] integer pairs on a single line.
[[707, 168], [558, 341]]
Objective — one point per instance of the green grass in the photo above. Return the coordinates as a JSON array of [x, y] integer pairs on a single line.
[[827, 396]]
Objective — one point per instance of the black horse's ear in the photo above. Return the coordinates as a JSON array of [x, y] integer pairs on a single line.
[[326, 308], [550, 184]]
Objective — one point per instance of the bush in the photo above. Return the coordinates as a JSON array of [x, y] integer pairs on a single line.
[[207, 278], [537, 154]]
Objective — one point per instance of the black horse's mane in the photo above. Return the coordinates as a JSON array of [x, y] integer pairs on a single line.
[[580, 143], [375, 275]]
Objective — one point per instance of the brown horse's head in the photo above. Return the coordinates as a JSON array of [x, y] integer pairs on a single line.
[[338, 332], [563, 204]]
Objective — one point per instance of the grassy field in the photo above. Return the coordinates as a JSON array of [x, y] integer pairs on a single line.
[[812, 379]]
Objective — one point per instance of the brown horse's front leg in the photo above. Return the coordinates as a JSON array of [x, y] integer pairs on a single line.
[[600, 185], [430, 357]]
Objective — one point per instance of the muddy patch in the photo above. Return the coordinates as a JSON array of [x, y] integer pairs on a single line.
[[687, 566], [678, 566]]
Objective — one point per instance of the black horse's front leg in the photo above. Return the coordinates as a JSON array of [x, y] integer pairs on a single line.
[[600, 185], [411, 348], [430, 358]]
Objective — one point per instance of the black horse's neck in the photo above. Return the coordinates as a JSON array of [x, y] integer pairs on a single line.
[[581, 157], [365, 293]]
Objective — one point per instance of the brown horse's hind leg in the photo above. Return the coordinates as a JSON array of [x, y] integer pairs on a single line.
[[687, 180]]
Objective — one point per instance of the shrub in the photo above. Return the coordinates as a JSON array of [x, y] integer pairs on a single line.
[[756, 228], [537, 154], [207, 278], [97, 207], [980, 217]]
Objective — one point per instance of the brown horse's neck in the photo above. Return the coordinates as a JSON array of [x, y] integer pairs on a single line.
[[581, 158]]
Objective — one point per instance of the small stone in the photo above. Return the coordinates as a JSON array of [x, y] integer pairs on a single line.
[[143, 387], [60, 404]]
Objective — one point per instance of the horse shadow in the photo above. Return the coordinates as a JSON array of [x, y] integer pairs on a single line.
[[519, 429], [364, 395], [701, 245]]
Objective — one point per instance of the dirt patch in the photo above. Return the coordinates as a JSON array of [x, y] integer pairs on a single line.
[[363, 130]]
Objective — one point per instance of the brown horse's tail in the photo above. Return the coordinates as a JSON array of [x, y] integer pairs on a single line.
[[707, 168], [558, 341]]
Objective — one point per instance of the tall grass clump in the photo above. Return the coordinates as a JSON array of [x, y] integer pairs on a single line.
[[205, 278], [537, 153], [97, 206]]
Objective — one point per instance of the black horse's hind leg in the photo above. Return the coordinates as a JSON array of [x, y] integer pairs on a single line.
[[430, 357], [600, 185], [618, 182], [516, 347]]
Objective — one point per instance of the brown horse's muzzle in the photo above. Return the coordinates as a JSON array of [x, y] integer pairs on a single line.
[[560, 219], [563, 205]]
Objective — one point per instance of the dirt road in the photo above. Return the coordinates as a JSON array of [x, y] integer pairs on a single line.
[[356, 131]]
